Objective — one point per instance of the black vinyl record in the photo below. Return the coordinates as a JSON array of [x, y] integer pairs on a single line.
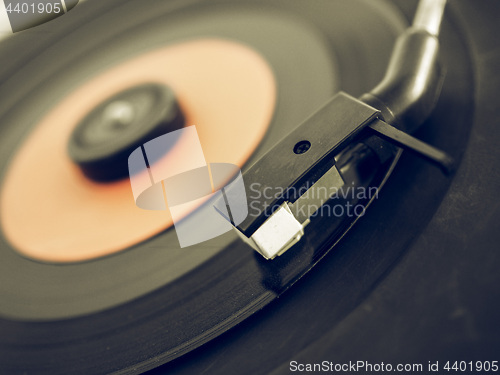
[[414, 280]]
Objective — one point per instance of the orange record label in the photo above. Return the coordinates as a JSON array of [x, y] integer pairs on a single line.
[[51, 212]]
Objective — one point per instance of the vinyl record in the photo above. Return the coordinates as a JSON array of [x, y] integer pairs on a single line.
[[146, 301]]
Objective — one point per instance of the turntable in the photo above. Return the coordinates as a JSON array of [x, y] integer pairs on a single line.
[[396, 97]]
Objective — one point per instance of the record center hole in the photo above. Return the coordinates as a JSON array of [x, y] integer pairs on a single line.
[[302, 147]]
